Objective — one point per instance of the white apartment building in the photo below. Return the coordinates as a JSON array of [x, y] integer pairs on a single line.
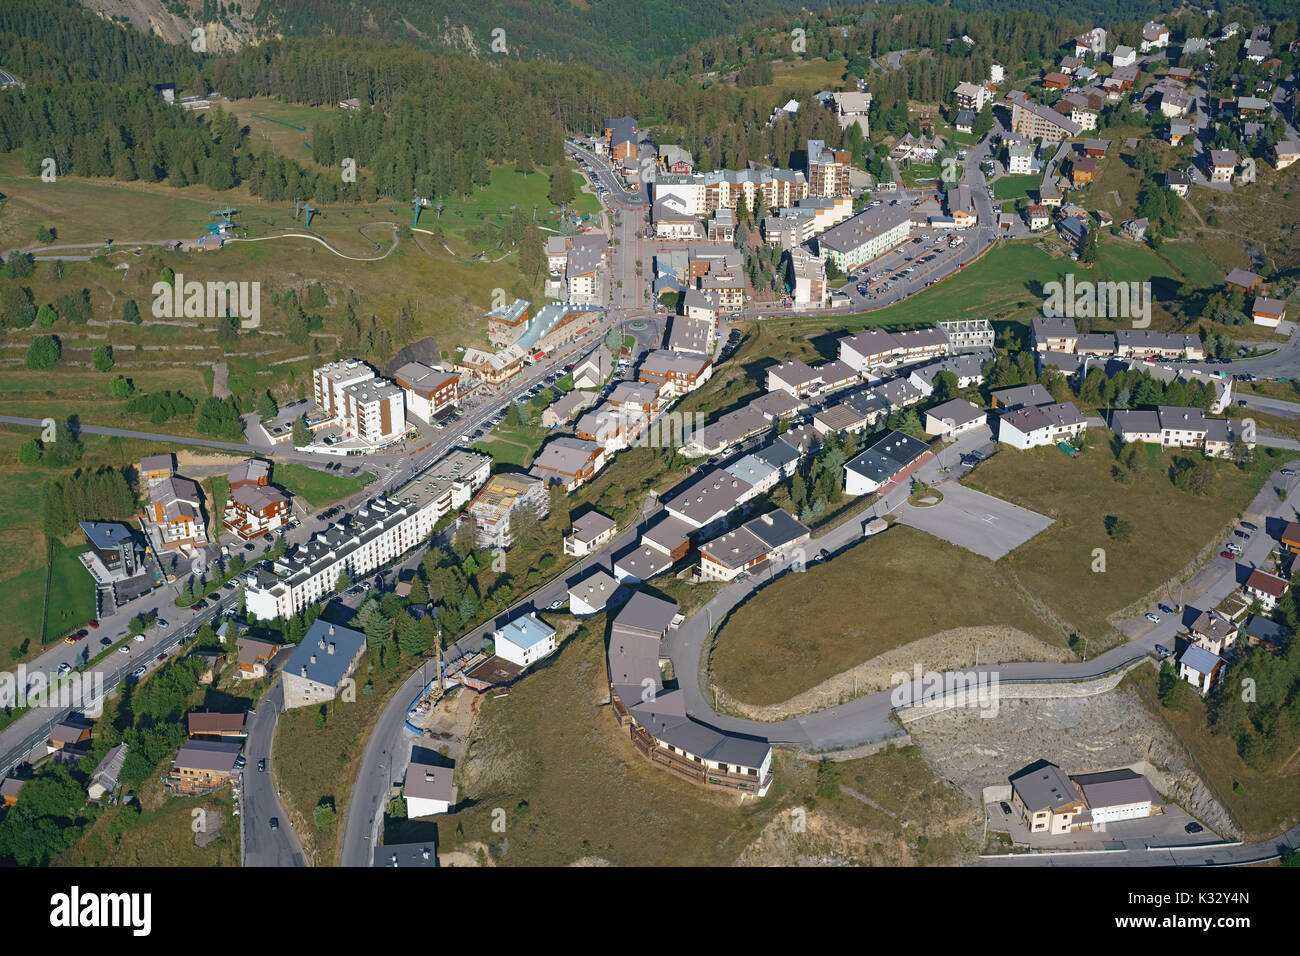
[[382, 530], [374, 411]]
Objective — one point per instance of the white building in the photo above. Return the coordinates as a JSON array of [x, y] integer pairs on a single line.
[[1036, 425], [525, 640], [429, 787], [428, 390], [954, 418]]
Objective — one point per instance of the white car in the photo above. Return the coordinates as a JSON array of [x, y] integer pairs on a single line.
[[64, 667], [124, 649], [139, 638]]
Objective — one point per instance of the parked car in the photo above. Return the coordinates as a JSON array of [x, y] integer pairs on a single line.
[[1166, 609], [274, 823], [139, 638], [1006, 807], [1193, 827], [1249, 527], [126, 650], [261, 765], [198, 605], [163, 624], [1153, 618], [1227, 554], [92, 624], [105, 641], [1162, 650], [65, 667], [1289, 472]]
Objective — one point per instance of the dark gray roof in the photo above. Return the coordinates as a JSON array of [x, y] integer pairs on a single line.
[[1045, 788], [1114, 788], [326, 668], [407, 854], [216, 755], [776, 528], [647, 613], [107, 535]]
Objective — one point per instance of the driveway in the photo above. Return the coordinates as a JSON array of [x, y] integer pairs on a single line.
[[976, 521]]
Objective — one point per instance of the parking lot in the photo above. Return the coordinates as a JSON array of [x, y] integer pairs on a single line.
[[1165, 829], [976, 521]]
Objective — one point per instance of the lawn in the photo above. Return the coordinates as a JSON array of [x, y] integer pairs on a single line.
[[1170, 526], [315, 487], [161, 837], [311, 764], [1016, 187], [794, 634], [552, 757]]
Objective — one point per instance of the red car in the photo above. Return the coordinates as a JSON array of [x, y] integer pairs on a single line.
[[1228, 554], [93, 624]]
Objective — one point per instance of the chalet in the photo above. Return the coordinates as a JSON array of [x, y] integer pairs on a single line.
[[1241, 279], [1083, 170], [1056, 81], [1155, 36], [568, 462], [1123, 56], [429, 786], [1290, 537], [1223, 164], [1213, 631], [1037, 216], [1201, 668], [1286, 153], [589, 533], [1178, 182], [203, 766], [1179, 130], [1265, 588], [1259, 631], [1268, 312], [254, 656]]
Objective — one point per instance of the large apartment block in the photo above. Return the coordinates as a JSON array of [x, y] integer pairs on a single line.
[[382, 530], [1036, 121], [828, 170], [867, 235], [366, 407], [428, 390]]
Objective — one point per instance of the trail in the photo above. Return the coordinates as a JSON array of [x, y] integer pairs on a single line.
[[341, 255]]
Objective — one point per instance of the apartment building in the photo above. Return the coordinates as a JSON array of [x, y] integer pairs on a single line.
[[428, 391], [501, 497], [174, 514], [569, 462], [675, 373], [321, 663], [1035, 121], [507, 322], [869, 234], [967, 334], [828, 170], [972, 96], [808, 279], [374, 411], [383, 529], [330, 383], [254, 506]]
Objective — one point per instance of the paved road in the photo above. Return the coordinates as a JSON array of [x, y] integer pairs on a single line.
[[1273, 406], [1262, 852], [23, 740], [262, 845]]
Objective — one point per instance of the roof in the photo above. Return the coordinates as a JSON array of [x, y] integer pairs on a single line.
[[595, 589], [592, 525], [427, 780], [1114, 788], [710, 496], [1223, 157], [1022, 395], [863, 227], [156, 463], [1033, 418], [777, 528], [1045, 788], [1199, 659], [110, 768], [735, 549], [315, 662], [1242, 277], [1269, 584], [647, 613], [210, 723], [1262, 629], [406, 854], [1135, 422], [527, 631], [958, 411], [107, 535], [1266, 306], [214, 755]]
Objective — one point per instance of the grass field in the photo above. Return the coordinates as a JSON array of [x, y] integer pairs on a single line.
[[1264, 802], [161, 837], [315, 487], [66, 391], [311, 764], [588, 792], [1015, 187], [1170, 526], [794, 633]]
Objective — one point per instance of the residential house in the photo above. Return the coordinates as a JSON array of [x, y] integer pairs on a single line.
[[1123, 56], [566, 407], [1155, 36], [889, 459], [1037, 217], [9, 790], [429, 391], [1265, 588], [1046, 800], [1178, 182], [953, 418], [202, 766], [1032, 426], [972, 96], [570, 462], [155, 468], [208, 725], [1243, 280], [1259, 631], [1285, 153], [1136, 229], [588, 533], [319, 667], [1201, 668], [676, 373], [525, 640], [174, 514], [429, 786], [1268, 312], [254, 507], [254, 656], [104, 779], [592, 594], [1223, 164]]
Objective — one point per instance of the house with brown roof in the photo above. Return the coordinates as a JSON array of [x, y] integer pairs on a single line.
[[202, 766], [254, 655], [1265, 588], [216, 726]]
